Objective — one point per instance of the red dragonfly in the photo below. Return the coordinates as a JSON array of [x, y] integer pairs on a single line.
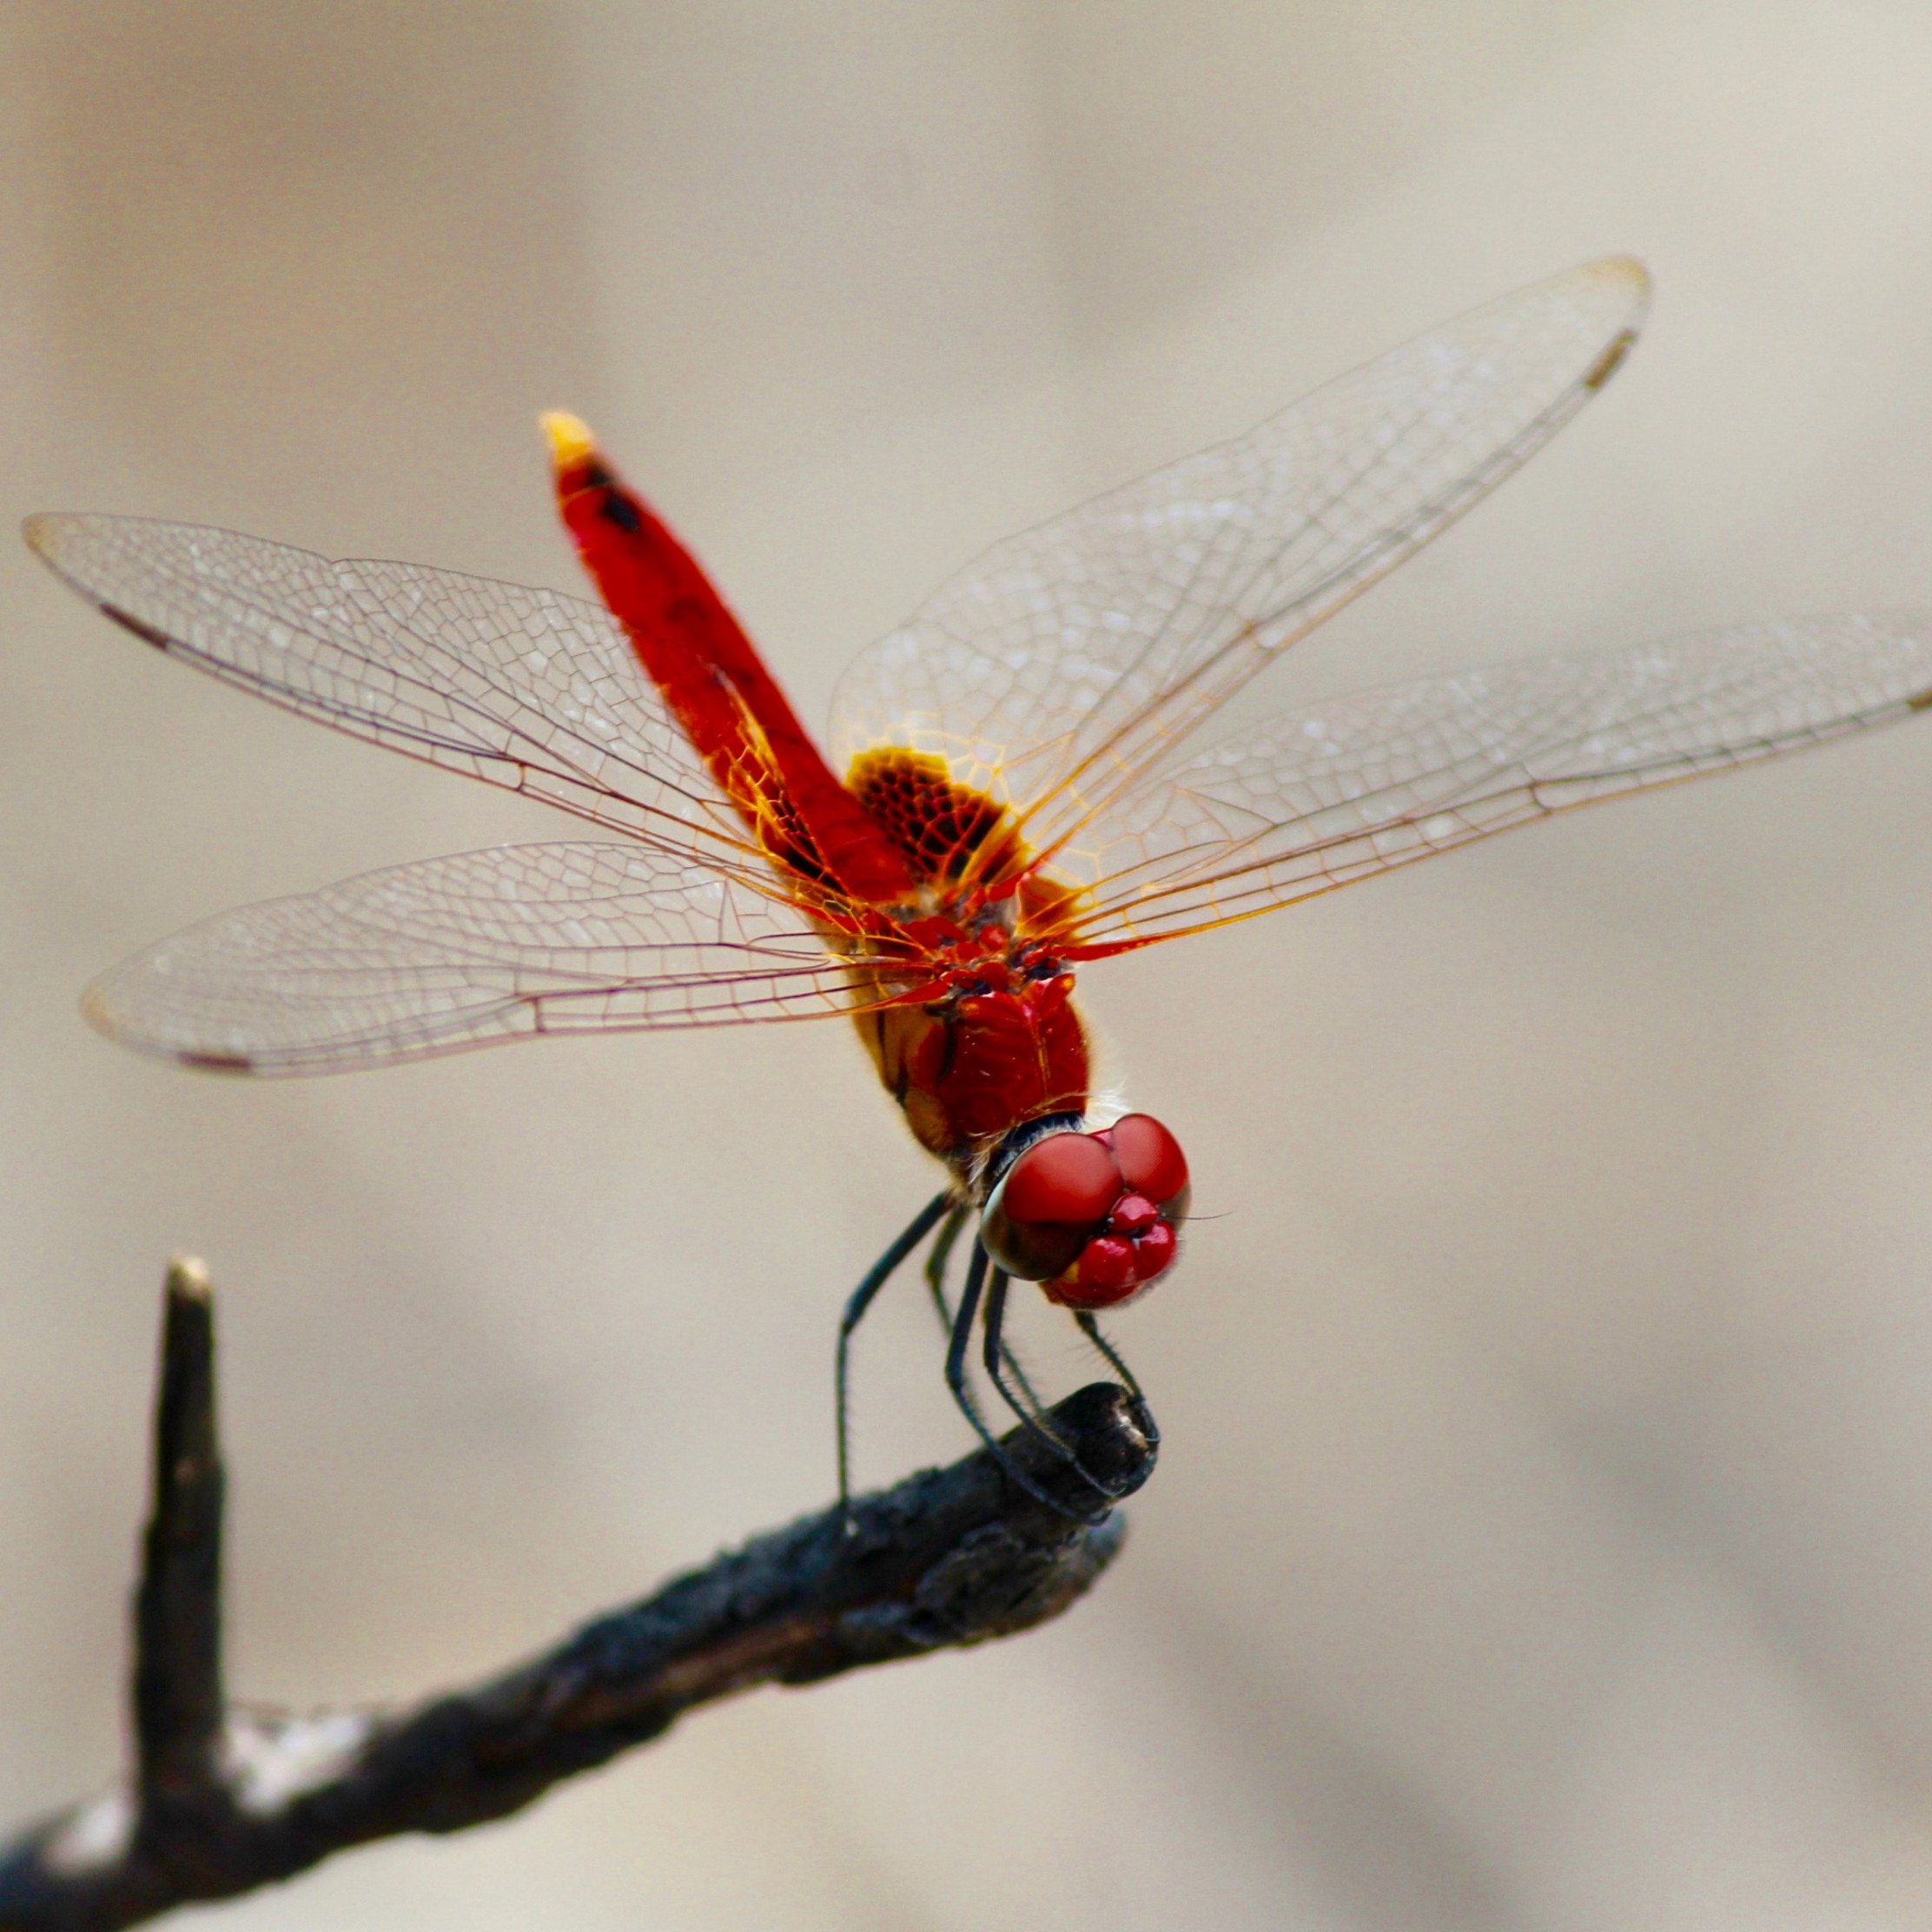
[[1008, 797]]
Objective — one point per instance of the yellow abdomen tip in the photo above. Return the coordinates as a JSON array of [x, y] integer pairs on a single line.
[[571, 440]]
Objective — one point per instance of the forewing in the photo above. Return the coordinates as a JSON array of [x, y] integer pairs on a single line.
[[1359, 786], [449, 953], [523, 688], [1056, 668]]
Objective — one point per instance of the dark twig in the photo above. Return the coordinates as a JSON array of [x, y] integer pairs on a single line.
[[178, 1704], [225, 1800]]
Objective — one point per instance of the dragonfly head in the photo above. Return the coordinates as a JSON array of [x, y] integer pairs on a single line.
[[1093, 1218]]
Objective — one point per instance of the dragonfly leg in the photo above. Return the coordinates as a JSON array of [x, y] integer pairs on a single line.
[[938, 1262], [963, 1394], [860, 1299], [936, 1281], [1090, 1328], [998, 1357]]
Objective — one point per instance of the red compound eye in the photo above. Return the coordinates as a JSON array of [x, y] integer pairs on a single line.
[[1054, 1199], [1091, 1217], [1149, 1156], [1065, 1178]]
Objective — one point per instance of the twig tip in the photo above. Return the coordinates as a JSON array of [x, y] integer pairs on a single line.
[[187, 1280]]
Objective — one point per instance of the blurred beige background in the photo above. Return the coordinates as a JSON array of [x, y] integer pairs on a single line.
[[1544, 1540]]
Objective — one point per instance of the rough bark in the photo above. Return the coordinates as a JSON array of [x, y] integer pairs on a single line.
[[219, 1801]]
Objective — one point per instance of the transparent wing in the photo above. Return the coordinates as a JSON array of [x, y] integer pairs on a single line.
[[1362, 784], [523, 688], [1054, 670], [450, 953]]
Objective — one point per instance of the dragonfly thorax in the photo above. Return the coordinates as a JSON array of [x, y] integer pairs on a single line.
[[980, 1037]]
